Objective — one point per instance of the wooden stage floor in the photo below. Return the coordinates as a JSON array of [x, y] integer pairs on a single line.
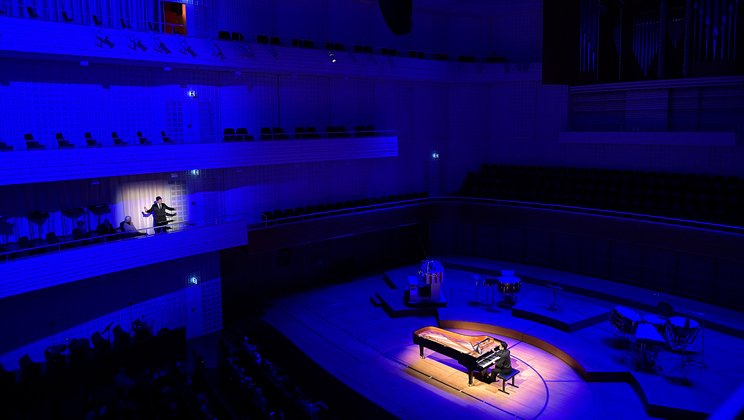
[[342, 329]]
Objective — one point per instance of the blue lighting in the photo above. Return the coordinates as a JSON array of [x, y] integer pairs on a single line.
[[194, 172], [193, 280], [435, 155], [191, 93]]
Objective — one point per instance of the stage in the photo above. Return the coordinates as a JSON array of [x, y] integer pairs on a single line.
[[572, 363]]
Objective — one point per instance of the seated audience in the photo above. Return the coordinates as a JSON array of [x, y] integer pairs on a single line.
[[81, 231], [105, 228], [127, 226]]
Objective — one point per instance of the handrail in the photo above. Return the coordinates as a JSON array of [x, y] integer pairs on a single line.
[[514, 203], [90, 240]]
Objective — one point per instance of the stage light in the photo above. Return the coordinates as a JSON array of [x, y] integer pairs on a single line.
[[193, 280], [191, 93], [194, 172], [332, 56], [435, 155]]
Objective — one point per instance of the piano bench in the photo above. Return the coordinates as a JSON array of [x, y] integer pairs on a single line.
[[505, 377]]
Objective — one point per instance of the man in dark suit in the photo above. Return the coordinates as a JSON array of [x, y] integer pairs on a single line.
[[503, 364], [159, 211]]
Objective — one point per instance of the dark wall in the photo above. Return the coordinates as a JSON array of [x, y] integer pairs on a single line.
[[251, 276], [700, 264], [694, 263], [43, 313]]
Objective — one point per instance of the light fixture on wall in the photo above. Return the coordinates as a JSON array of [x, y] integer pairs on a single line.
[[332, 56], [191, 93], [435, 155], [192, 280], [194, 172]]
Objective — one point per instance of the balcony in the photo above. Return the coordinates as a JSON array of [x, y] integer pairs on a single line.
[[51, 269], [48, 165]]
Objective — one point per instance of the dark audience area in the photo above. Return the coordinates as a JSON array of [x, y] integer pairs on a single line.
[[320, 210], [264, 375], [114, 374], [697, 197]]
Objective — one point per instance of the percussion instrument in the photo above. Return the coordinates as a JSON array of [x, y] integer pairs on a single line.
[[680, 332], [625, 320], [509, 285]]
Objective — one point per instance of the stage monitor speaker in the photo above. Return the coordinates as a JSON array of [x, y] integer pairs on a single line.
[[397, 14]]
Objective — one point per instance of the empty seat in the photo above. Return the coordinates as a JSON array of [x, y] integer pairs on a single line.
[[266, 133], [262, 39], [278, 133], [62, 142], [90, 141], [274, 40], [300, 133], [51, 238], [228, 134], [117, 140], [24, 242], [166, 139], [142, 139], [223, 35], [242, 134], [31, 143], [5, 147], [236, 36], [312, 133]]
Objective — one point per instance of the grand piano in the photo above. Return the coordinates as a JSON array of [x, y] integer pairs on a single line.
[[475, 352]]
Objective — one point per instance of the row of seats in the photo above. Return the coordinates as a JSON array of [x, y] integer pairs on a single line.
[[54, 14], [359, 49], [64, 143], [223, 35], [273, 216], [123, 376], [698, 197], [301, 133]]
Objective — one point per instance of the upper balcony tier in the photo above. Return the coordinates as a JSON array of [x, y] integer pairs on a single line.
[[80, 162], [30, 38]]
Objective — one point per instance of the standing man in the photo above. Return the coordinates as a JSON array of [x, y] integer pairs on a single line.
[[158, 210]]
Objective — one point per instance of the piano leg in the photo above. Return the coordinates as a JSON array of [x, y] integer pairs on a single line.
[[421, 352], [470, 377]]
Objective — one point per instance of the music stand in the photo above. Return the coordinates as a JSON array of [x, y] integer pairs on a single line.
[[556, 288], [701, 322]]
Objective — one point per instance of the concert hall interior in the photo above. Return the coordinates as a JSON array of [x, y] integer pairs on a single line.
[[371, 209]]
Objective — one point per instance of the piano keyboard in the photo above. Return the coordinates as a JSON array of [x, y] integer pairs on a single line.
[[487, 360]]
